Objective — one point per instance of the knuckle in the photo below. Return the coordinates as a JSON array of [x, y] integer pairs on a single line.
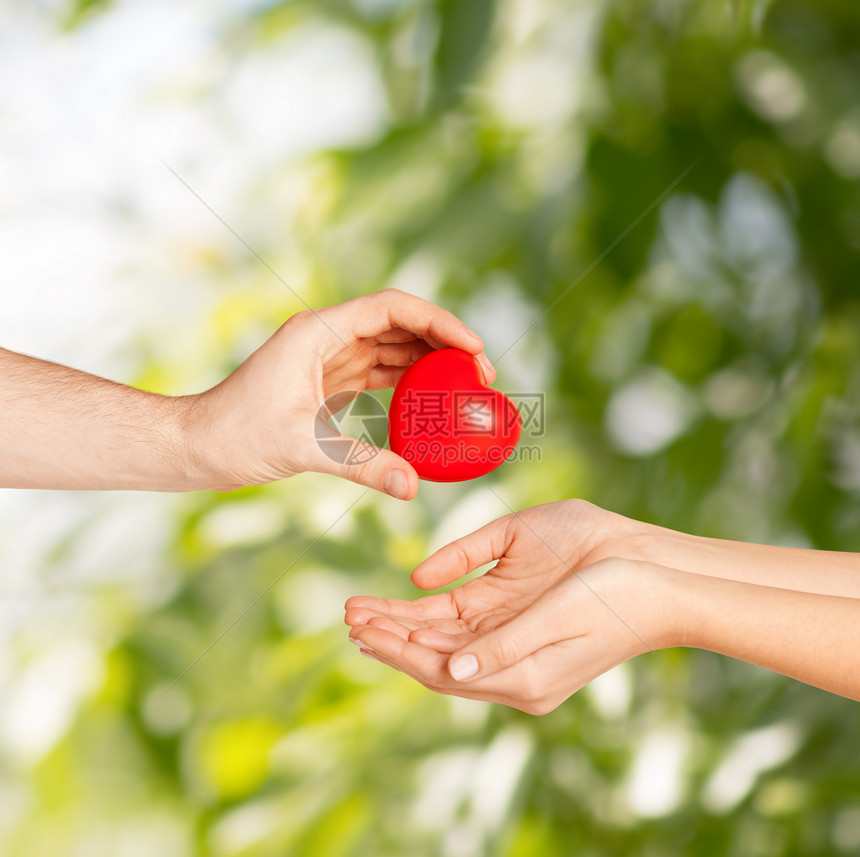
[[506, 650], [526, 706], [298, 319], [533, 695], [577, 505], [582, 512], [511, 528], [540, 707], [530, 691], [366, 472], [462, 557]]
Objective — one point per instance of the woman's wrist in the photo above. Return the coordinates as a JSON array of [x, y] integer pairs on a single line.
[[719, 558], [665, 594], [644, 597], [660, 546]]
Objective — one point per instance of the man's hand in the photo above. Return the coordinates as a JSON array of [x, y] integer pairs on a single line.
[[60, 428], [258, 425]]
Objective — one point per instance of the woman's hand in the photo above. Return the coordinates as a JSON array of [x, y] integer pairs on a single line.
[[262, 422], [557, 610], [536, 627]]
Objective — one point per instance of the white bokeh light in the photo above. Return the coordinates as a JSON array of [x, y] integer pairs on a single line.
[[649, 412]]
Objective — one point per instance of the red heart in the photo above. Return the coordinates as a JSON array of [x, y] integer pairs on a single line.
[[447, 423]]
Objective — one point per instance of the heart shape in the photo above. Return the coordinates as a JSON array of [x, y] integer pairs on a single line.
[[447, 423]]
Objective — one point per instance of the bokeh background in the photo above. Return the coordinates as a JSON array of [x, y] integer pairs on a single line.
[[677, 181]]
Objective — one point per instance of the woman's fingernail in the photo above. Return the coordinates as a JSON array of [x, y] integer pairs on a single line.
[[369, 654], [396, 484], [485, 362], [464, 667], [361, 645]]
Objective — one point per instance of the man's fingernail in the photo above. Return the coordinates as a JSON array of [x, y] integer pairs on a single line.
[[464, 667], [396, 484]]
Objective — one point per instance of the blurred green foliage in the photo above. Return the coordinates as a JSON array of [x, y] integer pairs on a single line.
[[665, 196]]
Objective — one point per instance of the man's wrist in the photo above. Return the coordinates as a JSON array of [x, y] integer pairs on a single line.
[[193, 448]]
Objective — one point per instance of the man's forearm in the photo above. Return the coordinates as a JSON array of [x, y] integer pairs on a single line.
[[61, 428], [810, 637]]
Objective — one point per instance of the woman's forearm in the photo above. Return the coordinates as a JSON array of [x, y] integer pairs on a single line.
[[61, 428], [822, 572], [811, 637]]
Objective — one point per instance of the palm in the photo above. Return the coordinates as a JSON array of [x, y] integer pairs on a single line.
[[535, 553]]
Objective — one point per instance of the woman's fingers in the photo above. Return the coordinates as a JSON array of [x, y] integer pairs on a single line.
[[365, 616], [458, 558], [422, 663], [432, 607], [518, 687], [445, 629], [435, 638], [380, 605], [388, 624], [361, 615], [548, 620]]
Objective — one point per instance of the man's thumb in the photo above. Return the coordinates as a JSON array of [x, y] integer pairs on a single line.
[[361, 462]]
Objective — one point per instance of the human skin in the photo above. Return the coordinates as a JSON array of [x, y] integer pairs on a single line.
[[62, 428], [577, 590]]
